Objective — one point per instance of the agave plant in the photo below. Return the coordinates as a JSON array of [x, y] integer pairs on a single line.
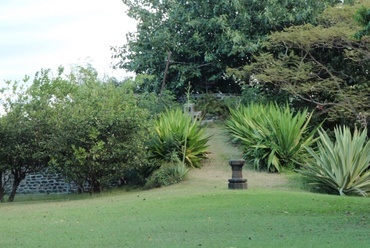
[[273, 137], [176, 133], [343, 165]]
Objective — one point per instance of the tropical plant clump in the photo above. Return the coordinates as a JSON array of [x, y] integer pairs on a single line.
[[341, 166], [273, 138], [176, 133], [168, 173]]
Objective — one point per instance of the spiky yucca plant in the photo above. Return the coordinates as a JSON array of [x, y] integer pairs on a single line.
[[343, 165], [176, 133], [272, 137]]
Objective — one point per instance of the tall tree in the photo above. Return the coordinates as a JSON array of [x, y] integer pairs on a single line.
[[204, 37], [323, 66], [98, 133], [24, 132], [86, 128]]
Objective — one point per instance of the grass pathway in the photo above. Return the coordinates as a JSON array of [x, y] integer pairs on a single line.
[[217, 170]]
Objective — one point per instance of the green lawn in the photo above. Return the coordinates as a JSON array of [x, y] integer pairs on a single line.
[[201, 212], [188, 216]]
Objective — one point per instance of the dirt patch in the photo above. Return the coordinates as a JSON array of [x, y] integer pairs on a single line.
[[217, 170]]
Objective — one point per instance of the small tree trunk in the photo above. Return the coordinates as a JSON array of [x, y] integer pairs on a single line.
[[165, 73], [95, 186], [18, 177], [13, 192], [2, 187], [80, 189]]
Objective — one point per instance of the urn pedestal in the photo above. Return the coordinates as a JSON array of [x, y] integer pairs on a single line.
[[237, 181]]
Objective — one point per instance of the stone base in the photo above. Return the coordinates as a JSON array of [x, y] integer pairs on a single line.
[[238, 186]]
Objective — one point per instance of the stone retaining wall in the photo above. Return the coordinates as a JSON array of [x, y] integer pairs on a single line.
[[39, 183], [50, 183], [43, 183]]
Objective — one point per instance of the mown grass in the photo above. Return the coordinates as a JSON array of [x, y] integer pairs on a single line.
[[199, 212], [179, 216]]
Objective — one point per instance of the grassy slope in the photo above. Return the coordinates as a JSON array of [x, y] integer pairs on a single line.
[[198, 212]]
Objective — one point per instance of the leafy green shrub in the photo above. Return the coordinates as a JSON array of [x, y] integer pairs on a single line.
[[147, 98], [157, 104], [176, 133], [272, 137], [153, 164], [211, 106], [98, 132], [342, 166], [167, 174]]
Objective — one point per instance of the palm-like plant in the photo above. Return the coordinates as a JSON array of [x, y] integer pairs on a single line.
[[342, 166], [176, 133], [272, 137]]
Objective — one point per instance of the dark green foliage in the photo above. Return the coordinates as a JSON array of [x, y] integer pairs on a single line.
[[204, 37], [100, 133], [213, 106], [147, 99], [341, 166], [24, 132], [252, 95], [22, 148], [273, 138], [320, 67], [362, 17], [88, 129], [155, 103], [176, 133]]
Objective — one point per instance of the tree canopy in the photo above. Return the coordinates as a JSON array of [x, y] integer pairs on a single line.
[[88, 129], [99, 133], [25, 132], [324, 66], [204, 38]]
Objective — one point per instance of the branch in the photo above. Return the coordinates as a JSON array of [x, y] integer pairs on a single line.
[[319, 104], [335, 81]]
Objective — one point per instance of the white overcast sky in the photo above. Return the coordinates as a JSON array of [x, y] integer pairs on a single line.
[[37, 34]]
